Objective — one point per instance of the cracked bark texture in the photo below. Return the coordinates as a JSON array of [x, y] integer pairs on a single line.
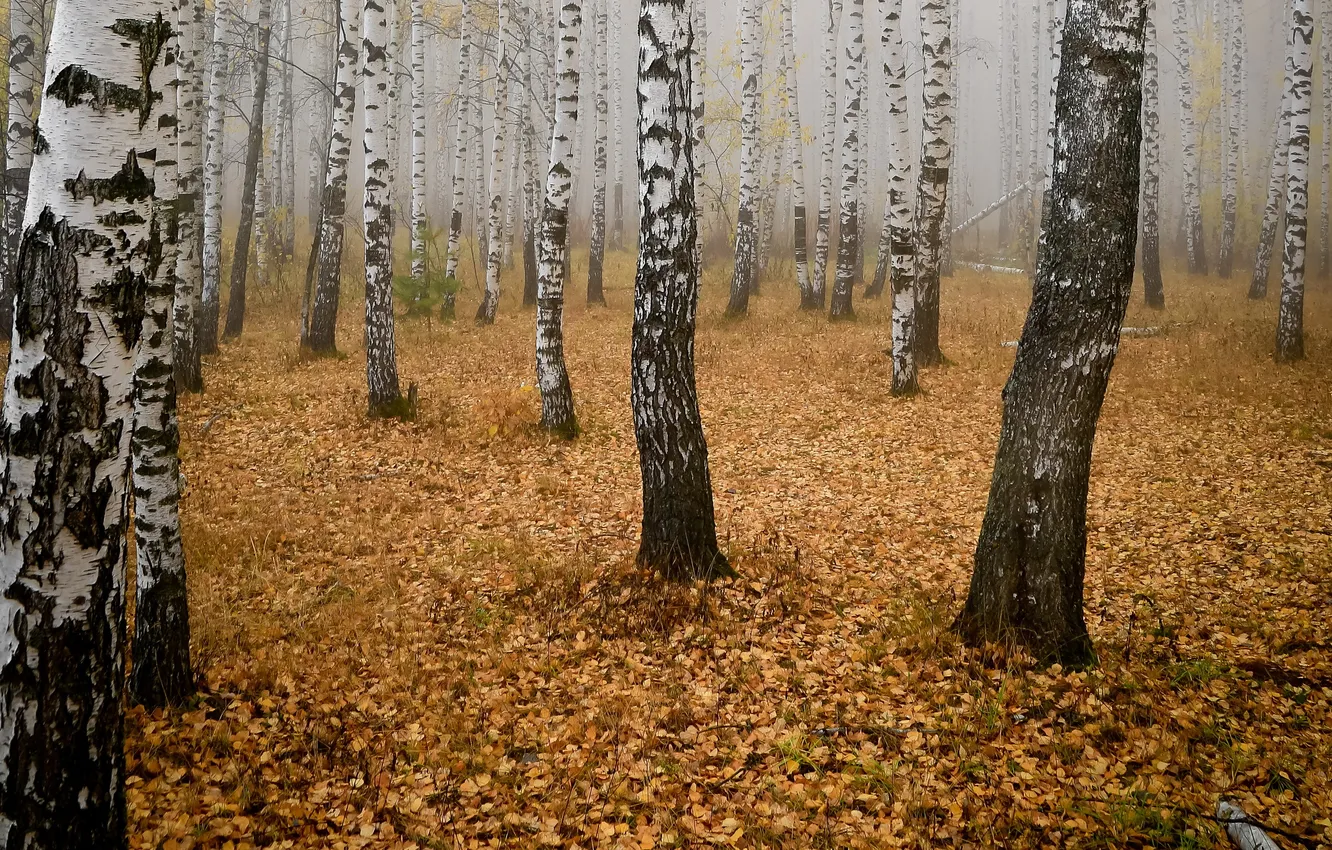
[[84, 262], [849, 208], [1290, 318], [679, 528], [1027, 583], [557, 405], [25, 80], [936, 156]]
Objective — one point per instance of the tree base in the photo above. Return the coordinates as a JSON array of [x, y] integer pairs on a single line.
[[1072, 653], [402, 408], [685, 563]]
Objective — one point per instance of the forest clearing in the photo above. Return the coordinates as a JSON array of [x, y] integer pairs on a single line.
[[433, 635]]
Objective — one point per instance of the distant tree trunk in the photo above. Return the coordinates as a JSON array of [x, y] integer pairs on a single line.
[[1193, 224], [1233, 79], [459, 155], [189, 265], [287, 119], [1153, 287], [25, 80], [1276, 186], [1324, 228], [1030, 558], [832, 23], [955, 172], [381, 365], [161, 673], [321, 335], [557, 406], [597, 255], [746, 224], [485, 313], [253, 154], [797, 141], [82, 277], [214, 182], [849, 219], [1006, 118], [698, 99], [1290, 323], [935, 160], [898, 242], [420, 214], [679, 528], [264, 186], [617, 131], [533, 194]]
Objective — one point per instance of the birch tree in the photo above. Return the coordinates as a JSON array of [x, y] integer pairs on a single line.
[[189, 182], [1233, 78], [898, 243], [1153, 286], [848, 213], [597, 254], [459, 154], [557, 406], [832, 22], [214, 185], [320, 334], [1276, 184], [84, 263], [1030, 559], [240, 260], [1324, 196], [698, 59], [485, 313], [25, 78], [1193, 223], [800, 236], [932, 191], [1290, 320], [617, 131], [420, 223], [679, 528], [746, 224]]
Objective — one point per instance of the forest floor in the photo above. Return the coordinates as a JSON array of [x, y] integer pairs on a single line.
[[432, 635]]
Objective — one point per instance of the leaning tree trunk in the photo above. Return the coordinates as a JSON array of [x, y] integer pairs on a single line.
[[679, 527], [420, 214], [1290, 322], [848, 214], [1232, 74], [800, 235], [485, 313], [25, 78], [321, 334], [84, 266], [1030, 558], [823, 227], [459, 156], [596, 260], [214, 183], [557, 406], [1153, 287], [898, 241], [1276, 186], [1193, 223], [381, 365], [189, 180], [935, 160], [746, 225], [161, 673], [253, 154]]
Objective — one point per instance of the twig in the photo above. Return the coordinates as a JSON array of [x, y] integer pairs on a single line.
[[212, 420]]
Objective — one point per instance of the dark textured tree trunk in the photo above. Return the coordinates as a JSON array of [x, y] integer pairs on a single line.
[[240, 260], [1030, 558], [679, 527]]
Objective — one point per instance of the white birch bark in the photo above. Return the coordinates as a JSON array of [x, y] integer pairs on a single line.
[[25, 79], [1290, 321], [597, 250], [832, 23], [746, 227], [189, 182], [485, 313], [557, 407], [935, 161], [1005, 119], [214, 186], [419, 223], [1325, 195], [1232, 77], [459, 153], [899, 242], [848, 213], [87, 255], [617, 131], [1276, 187], [1193, 225], [797, 142], [698, 59], [1153, 285]]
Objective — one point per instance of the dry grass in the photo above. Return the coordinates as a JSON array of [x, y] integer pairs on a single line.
[[432, 635]]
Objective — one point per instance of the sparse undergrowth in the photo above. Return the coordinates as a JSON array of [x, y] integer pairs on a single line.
[[431, 634]]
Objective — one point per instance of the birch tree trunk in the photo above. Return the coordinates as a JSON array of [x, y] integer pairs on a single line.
[[832, 23], [161, 673], [459, 156], [381, 366], [321, 334], [253, 154], [1006, 118], [286, 115], [1030, 559], [597, 253], [189, 181], [214, 184], [1290, 321], [557, 407], [84, 266], [698, 59], [1153, 286], [746, 225], [1325, 196], [935, 160], [679, 527], [25, 79], [617, 132], [900, 242], [1232, 73], [800, 235], [1193, 223], [420, 214], [1276, 186], [485, 313], [848, 218]]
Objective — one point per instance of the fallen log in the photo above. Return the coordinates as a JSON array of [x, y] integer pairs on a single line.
[[1241, 829], [982, 267], [991, 209]]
